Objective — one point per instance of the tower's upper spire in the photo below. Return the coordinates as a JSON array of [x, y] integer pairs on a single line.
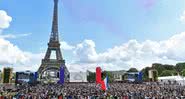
[[54, 32]]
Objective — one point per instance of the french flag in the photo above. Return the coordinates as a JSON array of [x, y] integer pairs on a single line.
[[104, 84]]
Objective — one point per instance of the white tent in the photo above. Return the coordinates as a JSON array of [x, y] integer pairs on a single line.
[[172, 79], [78, 77]]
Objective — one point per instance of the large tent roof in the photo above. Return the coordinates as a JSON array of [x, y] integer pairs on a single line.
[[172, 78]]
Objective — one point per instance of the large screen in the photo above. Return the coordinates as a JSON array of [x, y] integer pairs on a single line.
[[23, 77]]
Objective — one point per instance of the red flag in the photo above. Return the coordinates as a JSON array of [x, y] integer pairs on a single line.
[[22, 97], [60, 97], [103, 87], [98, 75]]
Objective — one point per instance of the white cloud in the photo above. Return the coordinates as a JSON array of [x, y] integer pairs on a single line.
[[12, 55], [86, 52], [66, 46], [5, 23], [4, 20], [182, 17], [23, 35], [132, 54], [14, 36], [33, 62]]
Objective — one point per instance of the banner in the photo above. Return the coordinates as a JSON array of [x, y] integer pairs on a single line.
[[35, 76], [140, 76], [103, 87], [98, 75], [62, 75]]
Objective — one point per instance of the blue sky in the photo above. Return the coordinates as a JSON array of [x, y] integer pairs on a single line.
[[108, 23]]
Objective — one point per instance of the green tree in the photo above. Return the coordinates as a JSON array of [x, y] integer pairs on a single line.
[[160, 68], [180, 67], [132, 70], [169, 67], [145, 73], [91, 77], [109, 74], [155, 75], [183, 72], [168, 73]]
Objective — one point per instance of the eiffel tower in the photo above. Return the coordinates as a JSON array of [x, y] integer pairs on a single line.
[[54, 46]]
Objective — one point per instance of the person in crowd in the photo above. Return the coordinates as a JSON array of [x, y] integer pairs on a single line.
[[93, 91]]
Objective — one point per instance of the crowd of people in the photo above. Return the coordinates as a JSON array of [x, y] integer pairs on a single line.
[[93, 91]]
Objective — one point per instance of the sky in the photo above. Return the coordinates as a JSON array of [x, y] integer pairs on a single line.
[[112, 34]]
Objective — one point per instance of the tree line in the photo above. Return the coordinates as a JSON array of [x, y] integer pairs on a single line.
[[162, 70], [165, 70]]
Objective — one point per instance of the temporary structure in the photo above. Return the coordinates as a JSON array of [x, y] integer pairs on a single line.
[[172, 79]]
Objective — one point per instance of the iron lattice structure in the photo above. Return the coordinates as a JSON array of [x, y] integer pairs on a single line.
[[54, 46]]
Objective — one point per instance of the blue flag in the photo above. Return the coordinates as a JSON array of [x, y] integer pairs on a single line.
[[35, 76], [62, 75], [140, 76]]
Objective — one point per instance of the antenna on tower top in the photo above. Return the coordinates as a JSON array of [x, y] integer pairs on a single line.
[[54, 31]]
